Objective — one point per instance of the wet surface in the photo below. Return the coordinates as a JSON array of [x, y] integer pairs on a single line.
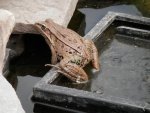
[[125, 69], [130, 68]]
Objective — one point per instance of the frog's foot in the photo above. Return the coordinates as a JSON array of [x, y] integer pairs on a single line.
[[51, 65]]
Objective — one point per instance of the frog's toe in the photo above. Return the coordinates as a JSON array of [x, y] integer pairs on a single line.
[[78, 81]]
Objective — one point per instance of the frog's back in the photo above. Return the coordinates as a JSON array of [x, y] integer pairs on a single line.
[[66, 36]]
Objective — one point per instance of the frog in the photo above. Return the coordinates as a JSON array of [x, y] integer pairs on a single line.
[[72, 51]]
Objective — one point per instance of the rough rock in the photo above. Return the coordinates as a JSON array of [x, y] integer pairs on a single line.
[[5, 70], [28, 12], [9, 102], [7, 22]]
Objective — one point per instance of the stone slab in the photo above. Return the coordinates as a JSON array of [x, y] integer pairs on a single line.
[[79, 99], [9, 102], [28, 12]]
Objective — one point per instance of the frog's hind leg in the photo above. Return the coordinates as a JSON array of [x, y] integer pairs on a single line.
[[73, 71]]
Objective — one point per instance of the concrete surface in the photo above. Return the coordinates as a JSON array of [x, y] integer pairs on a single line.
[[28, 12]]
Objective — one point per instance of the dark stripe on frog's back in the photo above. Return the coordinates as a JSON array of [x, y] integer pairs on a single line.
[[62, 50], [66, 36]]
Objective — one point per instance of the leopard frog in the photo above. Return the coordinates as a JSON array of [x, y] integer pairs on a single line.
[[69, 49]]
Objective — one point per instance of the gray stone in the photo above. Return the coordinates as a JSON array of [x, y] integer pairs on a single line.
[[130, 31], [28, 12], [9, 102]]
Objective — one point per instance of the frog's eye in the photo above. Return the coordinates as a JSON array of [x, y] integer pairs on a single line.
[[42, 27]]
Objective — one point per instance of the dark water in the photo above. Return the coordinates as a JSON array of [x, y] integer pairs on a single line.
[[28, 69]]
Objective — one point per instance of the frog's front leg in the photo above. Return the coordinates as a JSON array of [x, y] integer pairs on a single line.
[[95, 60], [94, 53], [71, 69], [54, 55]]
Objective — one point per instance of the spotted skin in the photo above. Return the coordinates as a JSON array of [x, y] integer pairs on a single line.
[[70, 49]]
